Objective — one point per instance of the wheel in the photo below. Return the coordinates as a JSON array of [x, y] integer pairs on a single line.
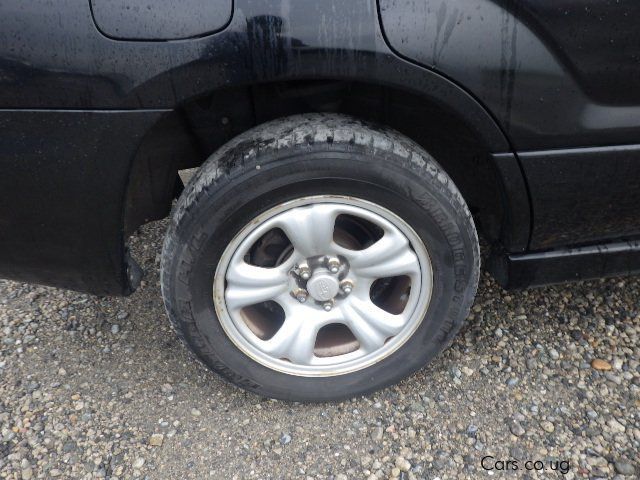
[[317, 257]]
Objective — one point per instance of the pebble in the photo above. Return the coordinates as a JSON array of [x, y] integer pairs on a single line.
[[467, 371], [599, 364], [166, 388], [377, 434], [547, 426], [285, 439], [402, 464], [624, 468], [616, 426], [576, 335], [613, 378], [515, 428], [156, 440]]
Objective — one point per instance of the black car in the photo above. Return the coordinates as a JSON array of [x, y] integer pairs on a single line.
[[348, 152]]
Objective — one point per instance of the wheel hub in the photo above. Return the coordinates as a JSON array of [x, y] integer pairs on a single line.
[[323, 286]]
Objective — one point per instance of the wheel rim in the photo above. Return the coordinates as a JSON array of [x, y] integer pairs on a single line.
[[350, 283]]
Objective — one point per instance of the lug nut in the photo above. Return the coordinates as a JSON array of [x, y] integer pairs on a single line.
[[327, 306], [300, 294], [347, 286], [304, 271], [333, 264]]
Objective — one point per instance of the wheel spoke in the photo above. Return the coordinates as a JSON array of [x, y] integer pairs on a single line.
[[249, 284], [295, 340], [388, 257], [310, 229], [370, 324]]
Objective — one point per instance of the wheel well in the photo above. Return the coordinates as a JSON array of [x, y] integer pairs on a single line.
[[188, 135]]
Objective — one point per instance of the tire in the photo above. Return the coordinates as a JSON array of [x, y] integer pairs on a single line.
[[268, 174]]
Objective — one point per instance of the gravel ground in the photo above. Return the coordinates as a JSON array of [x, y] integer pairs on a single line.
[[100, 388]]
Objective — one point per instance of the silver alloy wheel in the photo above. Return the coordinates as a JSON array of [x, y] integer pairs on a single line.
[[319, 285]]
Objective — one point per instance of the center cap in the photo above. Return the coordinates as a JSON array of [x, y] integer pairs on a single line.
[[323, 286]]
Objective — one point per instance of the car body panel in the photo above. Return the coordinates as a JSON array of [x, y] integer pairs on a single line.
[[566, 264], [579, 201], [160, 19], [63, 181], [556, 74], [265, 41], [561, 79]]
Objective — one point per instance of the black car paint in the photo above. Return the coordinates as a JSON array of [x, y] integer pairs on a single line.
[[75, 104], [61, 187], [557, 75], [160, 19]]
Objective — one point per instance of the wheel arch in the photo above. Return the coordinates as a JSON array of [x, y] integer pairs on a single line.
[[433, 111]]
